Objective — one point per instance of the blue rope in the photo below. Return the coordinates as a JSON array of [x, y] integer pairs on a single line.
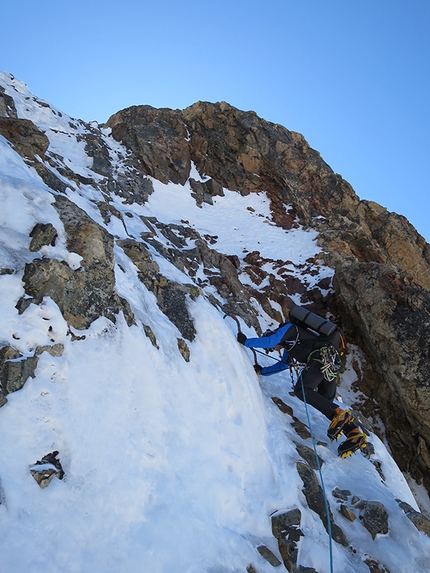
[[320, 474]]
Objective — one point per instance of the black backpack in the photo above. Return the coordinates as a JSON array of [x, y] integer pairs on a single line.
[[310, 333]]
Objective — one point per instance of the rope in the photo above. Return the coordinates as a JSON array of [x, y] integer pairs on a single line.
[[320, 474]]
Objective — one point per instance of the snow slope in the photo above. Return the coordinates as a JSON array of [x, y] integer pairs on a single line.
[[169, 465]]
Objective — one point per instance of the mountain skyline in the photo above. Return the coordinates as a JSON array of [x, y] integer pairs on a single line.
[[352, 77], [172, 460]]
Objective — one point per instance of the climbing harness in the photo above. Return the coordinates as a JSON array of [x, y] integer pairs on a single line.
[[329, 357]]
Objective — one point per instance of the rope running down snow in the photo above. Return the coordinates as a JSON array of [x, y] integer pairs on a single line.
[[320, 474]]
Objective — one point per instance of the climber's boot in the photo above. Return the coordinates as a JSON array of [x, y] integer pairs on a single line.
[[355, 440], [340, 420]]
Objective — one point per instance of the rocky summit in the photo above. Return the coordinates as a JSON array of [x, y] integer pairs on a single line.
[[381, 283], [371, 272]]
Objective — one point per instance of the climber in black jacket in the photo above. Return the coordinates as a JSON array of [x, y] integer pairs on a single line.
[[316, 384]]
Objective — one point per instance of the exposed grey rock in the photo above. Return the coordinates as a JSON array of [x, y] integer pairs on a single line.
[[203, 191], [49, 177], [42, 234], [378, 467], [7, 105], [3, 399], [308, 455], [54, 350], [392, 317], [84, 294], [96, 148], [421, 522], [172, 300], [150, 334], [342, 494], [171, 296], [44, 470], [158, 137], [315, 499], [147, 268], [282, 522], [213, 188], [285, 409], [301, 429], [347, 513], [133, 188], [15, 370], [200, 193], [375, 566], [268, 555], [285, 527], [25, 136], [375, 518], [184, 349]]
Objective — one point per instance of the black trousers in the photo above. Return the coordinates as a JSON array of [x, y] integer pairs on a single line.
[[319, 392]]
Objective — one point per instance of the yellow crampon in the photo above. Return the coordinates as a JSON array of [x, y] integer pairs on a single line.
[[362, 445]]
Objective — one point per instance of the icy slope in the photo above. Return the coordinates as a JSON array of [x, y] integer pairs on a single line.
[[168, 465]]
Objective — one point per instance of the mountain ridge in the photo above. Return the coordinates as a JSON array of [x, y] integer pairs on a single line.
[[79, 263]]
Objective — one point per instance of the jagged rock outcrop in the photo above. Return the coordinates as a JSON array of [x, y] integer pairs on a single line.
[[392, 318], [240, 151], [315, 499], [15, 370], [171, 296], [286, 529], [27, 139], [7, 104], [382, 265], [421, 522], [82, 294], [45, 469], [159, 139]]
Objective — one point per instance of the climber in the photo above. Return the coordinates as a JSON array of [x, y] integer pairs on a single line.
[[317, 378]]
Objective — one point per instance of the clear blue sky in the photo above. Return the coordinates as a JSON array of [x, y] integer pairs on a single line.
[[353, 76]]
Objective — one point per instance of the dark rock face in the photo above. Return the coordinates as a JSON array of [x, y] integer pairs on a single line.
[[14, 371], [7, 105], [375, 518], [285, 527], [42, 234], [315, 499], [159, 139], [392, 318], [88, 292], [171, 296], [44, 470], [382, 264], [244, 152], [27, 139], [421, 522]]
